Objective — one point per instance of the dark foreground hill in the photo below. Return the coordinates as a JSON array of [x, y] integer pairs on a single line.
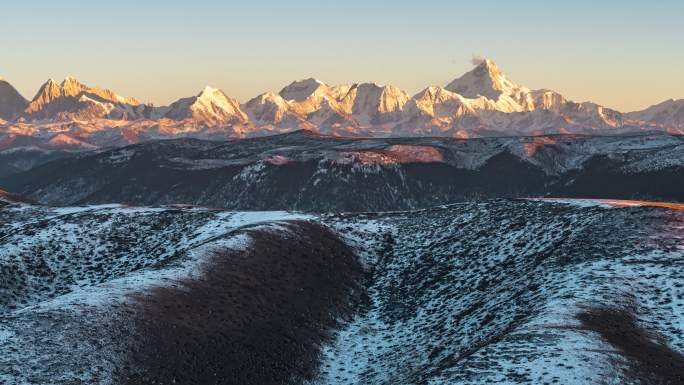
[[490, 292], [305, 171]]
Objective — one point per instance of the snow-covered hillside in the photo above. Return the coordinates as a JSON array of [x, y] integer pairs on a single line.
[[501, 292], [489, 292]]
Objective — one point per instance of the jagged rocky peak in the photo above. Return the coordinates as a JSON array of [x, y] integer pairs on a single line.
[[371, 103], [72, 99], [488, 99], [268, 108], [267, 97], [210, 92], [548, 100], [300, 90], [72, 87], [486, 79], [48, 91], [437, 102], [211, 107], [436, 93], [669, 113], [388, 93]]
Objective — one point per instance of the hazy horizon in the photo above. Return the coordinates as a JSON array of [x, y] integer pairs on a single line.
[[626, 57]]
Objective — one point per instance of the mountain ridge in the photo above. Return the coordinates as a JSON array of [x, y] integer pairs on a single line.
[[306, 170], [11, 101], [482, 102]]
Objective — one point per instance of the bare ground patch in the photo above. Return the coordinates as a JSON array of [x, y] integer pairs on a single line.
[[256, 317], [650, 360]]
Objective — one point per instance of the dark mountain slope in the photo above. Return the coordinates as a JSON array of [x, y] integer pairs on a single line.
[[305, 171]]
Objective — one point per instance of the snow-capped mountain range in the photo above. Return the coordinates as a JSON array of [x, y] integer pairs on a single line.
[[482, 102]]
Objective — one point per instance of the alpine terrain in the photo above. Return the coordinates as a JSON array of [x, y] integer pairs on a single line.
[[487, 292], [325, 193], [313, 172], [481, 103]]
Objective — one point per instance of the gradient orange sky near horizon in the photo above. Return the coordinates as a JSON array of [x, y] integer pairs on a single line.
[[626, 55]]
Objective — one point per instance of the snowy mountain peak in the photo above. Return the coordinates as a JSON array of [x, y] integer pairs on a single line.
[[301, 89], [72, 87], [210, 107], [487, 80], [69, 80], [270, 108], [668, 114], [482, 102], [268, 98], [209, 91], [215, 99], [373, 104], [72, 99], [47, 92], [490, 65]]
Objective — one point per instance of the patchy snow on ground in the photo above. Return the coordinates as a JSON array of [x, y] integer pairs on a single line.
[[80, 248], [488, 293], [483, 292], [68, 270]]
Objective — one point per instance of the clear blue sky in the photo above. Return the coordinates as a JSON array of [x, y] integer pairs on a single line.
[[624, 54]]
